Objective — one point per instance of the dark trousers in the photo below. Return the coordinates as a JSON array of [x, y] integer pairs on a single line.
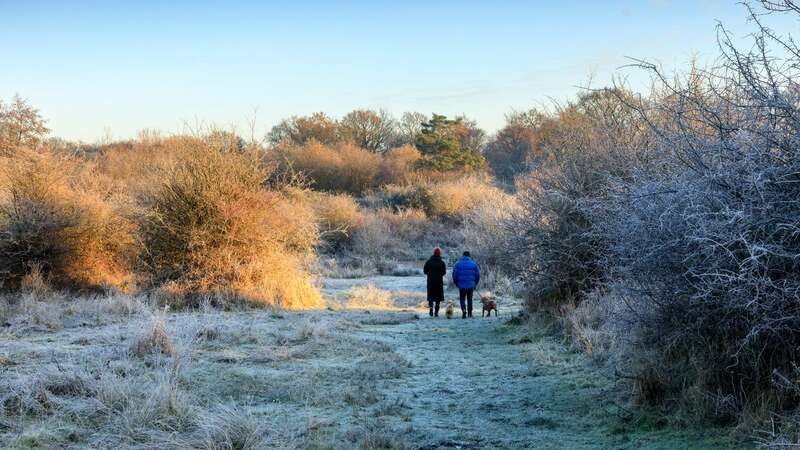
[[430, 305], [466, 294]]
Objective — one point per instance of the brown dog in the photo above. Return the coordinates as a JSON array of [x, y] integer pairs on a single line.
[[489, 304], [448, 310]]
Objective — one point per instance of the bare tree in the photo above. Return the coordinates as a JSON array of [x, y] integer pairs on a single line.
[[298, 130], [371, 130], [20, 125], [409, 127]]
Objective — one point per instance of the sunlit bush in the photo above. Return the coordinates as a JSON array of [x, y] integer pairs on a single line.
[[339, 218], [212, 228], [455, 200], [343, 168], [397, 165], [53, 223]]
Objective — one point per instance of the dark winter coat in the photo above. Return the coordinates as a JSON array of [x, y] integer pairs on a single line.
[[435, 269], [466, 274]]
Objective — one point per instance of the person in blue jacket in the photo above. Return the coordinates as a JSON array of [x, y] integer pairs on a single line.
[[466, 275]]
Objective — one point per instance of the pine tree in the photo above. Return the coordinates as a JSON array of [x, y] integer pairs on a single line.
[[440, 145]]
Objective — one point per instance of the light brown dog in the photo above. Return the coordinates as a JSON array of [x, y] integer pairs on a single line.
[[448, 310], [489, 304]]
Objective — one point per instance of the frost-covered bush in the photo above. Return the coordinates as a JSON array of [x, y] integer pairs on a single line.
[[552, 232], [707, 240]]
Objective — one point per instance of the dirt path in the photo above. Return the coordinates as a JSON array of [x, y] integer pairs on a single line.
[[481, 383]]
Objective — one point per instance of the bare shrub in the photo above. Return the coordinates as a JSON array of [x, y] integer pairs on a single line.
[[212, 228], [706, 238], [596, 138], [401, 197], [486, 233], [138, 166], [409, 225], [52, 222], [373, 239]]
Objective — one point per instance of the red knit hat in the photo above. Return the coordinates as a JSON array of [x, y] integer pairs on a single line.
[[437, 252]]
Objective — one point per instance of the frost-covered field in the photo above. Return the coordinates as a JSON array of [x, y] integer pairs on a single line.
[[372, 371]]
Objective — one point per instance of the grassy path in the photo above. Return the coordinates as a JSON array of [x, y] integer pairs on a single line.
[[481, 383], [365, 374]]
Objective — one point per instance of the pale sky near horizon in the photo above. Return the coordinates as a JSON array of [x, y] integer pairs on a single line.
[[96, 66]]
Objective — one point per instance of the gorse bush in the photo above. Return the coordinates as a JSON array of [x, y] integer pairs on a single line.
[[65, 231], [212, 228]]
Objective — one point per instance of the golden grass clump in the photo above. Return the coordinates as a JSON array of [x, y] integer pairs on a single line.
[[155, 340], [369, 297], [212, 228], [53, 221]]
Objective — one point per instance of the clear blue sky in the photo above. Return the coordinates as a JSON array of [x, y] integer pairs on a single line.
[[91, 66]]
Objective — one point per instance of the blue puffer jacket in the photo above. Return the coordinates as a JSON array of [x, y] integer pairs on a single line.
[[466, 274]]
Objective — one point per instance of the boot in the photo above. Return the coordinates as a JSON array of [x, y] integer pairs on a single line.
[[463, 314], [431, 311], [436, 311], [470, 313]]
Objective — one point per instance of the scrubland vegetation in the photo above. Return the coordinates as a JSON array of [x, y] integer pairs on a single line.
[[659, 233], [663, 231]]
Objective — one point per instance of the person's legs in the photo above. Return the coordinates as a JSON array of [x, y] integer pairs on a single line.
[[469, 301], [436, 310], [462, 294], [430, 307]]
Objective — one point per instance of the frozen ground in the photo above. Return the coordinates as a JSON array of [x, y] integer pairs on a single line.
[[353, 376]]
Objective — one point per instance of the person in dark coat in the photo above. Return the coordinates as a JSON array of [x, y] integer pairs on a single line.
[[435, 269], [466, 275]]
